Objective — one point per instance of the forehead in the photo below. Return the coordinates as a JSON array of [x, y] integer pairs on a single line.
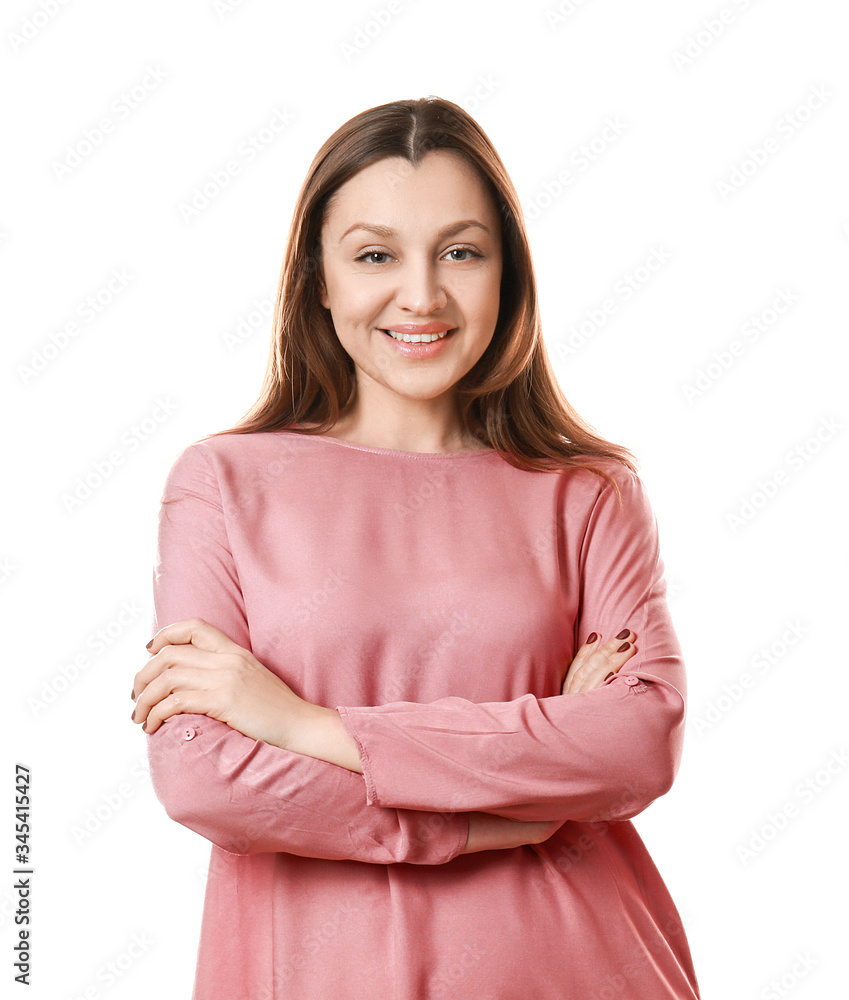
[[442, 188]]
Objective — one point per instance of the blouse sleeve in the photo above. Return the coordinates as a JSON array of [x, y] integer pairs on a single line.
[[603, 754], [245, 795]]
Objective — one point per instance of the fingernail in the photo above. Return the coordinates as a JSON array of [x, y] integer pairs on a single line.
[[133, 694], [623, 633], [624, 646], [609, 675], [592, 637], [148, 644], [133, 716]]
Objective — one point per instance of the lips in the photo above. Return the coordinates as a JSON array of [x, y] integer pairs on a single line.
[[413, 328], [414, 336]]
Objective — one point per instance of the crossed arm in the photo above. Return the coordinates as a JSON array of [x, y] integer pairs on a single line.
[[406, 781]]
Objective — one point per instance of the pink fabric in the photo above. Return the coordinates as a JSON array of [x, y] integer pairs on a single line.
[[434, 600]]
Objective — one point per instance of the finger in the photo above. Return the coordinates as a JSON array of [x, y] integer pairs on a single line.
[[618, 659], [159, 688], [622, 642], [591, 643], [166, 660], [179, 703], [607, 665], [626, 635], [579, 661], [181, 686], [574, 679], [601, 662], [195, 631], [627, 648]]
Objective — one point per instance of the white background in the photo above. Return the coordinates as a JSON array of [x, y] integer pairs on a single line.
[[727, 163]]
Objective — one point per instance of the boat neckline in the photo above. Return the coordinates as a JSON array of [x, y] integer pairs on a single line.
[[476, 453]]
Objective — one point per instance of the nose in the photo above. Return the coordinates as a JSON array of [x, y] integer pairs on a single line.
[[419, 290]]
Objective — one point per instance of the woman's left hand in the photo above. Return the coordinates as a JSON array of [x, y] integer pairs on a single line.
[[595, 662], [195, 668]]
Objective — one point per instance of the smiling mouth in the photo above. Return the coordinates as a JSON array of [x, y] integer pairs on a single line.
[[418, 338]]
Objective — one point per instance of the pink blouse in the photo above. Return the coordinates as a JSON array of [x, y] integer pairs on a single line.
[[434, 600]]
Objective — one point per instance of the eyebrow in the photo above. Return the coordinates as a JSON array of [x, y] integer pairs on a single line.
[[386, 231]]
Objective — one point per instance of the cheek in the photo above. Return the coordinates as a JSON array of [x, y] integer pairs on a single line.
[[484, 303], [355, 299], [363, 304]]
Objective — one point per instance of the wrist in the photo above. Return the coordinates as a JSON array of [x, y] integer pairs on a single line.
[[320, 733]]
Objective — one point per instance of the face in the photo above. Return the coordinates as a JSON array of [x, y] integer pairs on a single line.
[[414, 249]]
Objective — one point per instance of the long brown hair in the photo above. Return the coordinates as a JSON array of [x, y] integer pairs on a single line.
[[510, 400]]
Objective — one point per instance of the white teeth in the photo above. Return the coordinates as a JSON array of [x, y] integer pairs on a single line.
[[416, 338]]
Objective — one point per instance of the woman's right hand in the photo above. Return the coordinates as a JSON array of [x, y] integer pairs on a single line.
[[592, 665], [495, 833]]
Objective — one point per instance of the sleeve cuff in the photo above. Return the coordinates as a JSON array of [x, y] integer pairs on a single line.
[[460, 819], [348, 720]]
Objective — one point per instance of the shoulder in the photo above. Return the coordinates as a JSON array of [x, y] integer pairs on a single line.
[[597, 477], [228, 463], [190, 471], [223, 451], [612, 503]]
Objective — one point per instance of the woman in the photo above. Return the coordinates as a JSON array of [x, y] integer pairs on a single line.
[[392, 610]]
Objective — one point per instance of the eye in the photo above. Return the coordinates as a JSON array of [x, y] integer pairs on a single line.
[[372, 253], [369, 256], [467, 250]]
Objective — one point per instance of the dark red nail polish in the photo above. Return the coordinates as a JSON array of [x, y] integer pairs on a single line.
[[624, 646], [147, 645], [592, 637], [623, 633], [609, 675]]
